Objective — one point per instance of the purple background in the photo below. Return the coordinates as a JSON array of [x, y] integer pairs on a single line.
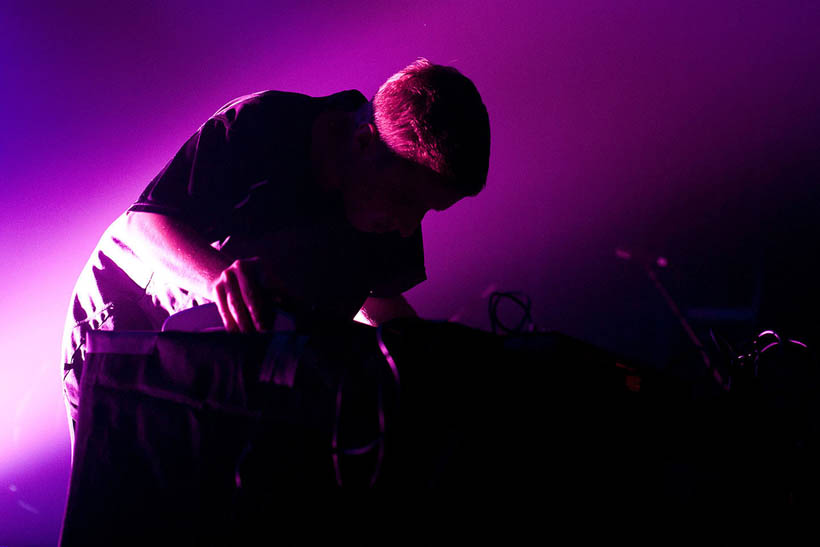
[[688, 129]]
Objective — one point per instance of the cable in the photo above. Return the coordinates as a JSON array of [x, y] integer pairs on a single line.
[[749, 358], [526, 323], [380, 438]]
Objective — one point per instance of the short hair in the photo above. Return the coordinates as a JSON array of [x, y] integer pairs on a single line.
[[433, 115]]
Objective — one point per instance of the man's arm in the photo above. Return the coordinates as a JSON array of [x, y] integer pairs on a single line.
[[378, 310], [244, 289], [171, 247]]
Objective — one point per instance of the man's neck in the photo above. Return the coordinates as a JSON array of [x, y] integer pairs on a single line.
[[364, 114]]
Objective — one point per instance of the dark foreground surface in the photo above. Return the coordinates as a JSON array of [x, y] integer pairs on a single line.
[[203, 438]]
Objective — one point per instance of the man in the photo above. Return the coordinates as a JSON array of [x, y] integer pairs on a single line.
[[280, 200]]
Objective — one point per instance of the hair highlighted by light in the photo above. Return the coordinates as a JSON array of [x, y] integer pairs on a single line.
[[433, 115]]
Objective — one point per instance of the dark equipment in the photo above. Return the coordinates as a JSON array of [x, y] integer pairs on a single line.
[[198, 437]]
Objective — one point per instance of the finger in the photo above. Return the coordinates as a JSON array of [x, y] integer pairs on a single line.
[[236, 303], [251, 296], [222, 305]]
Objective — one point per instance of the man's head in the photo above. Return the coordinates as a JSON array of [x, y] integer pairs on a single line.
[[422, 143]]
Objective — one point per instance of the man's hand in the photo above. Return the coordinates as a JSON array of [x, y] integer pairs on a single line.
[[247, 294], [378, 310]]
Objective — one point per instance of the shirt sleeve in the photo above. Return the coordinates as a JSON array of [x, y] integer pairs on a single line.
[[402, 266], [215, 168]]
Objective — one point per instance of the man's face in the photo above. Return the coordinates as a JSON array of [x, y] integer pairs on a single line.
[[390, 193]]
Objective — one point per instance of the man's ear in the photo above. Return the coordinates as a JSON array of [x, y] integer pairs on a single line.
[[364, 136]]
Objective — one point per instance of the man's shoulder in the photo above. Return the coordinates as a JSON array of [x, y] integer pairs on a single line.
[[349, 100], [290, 102]]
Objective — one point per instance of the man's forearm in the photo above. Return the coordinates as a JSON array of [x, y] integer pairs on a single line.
[[172, 249]]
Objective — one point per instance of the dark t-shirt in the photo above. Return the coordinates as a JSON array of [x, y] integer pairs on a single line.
[[244, 181]]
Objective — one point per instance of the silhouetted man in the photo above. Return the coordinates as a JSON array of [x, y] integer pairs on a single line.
[[281, 200]]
